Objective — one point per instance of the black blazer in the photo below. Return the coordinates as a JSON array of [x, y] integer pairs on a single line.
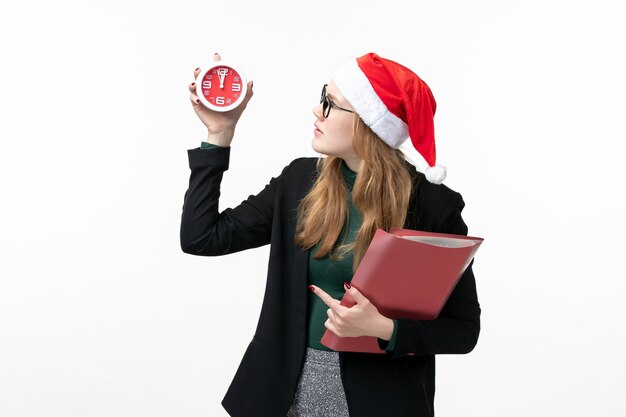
[[392, 384]]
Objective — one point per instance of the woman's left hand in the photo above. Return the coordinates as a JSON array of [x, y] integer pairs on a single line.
[[362, 319]]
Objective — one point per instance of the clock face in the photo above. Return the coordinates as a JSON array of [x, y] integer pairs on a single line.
[[221, 87]]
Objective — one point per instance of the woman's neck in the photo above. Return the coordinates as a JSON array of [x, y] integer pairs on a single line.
[[353, 163]]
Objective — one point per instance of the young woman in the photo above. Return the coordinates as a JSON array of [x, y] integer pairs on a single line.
[[319, 216]]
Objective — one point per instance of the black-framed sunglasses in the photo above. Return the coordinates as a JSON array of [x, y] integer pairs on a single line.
[[327, 104]]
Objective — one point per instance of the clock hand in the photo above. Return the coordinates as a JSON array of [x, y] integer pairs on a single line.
[[222, 75]]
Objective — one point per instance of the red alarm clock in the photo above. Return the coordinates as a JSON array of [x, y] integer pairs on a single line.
[[221, 87]]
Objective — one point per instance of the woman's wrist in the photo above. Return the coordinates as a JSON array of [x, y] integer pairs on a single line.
[[223, 138], [386, 329]]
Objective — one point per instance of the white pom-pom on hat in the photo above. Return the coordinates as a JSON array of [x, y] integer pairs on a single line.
[[436, 174]]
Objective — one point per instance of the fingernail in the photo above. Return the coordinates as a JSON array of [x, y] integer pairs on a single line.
[[197, 101], [197, 69], [215, 53], [312, 288], [347, 284], [193, 84]]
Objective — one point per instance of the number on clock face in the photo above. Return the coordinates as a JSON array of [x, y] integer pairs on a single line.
[[221, 86]]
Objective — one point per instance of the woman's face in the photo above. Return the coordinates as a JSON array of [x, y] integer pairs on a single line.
[[333, 134]]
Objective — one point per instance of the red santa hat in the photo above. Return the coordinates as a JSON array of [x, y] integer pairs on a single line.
[[394, 102]]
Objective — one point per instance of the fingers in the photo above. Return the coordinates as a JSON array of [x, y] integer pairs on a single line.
[[355, 294], [192, 88], [196, 72], [335, 305], [330, 326], [324, 296], [249, 94], [327, 324], [216, 57]]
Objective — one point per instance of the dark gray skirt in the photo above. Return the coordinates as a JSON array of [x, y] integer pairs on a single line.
[[320, 391]]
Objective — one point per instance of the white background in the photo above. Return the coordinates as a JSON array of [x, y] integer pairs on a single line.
[[102, 314]]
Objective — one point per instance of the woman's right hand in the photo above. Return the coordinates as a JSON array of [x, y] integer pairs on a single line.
[[220, 125]]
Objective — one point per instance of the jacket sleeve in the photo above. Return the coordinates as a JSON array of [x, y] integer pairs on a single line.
[[203, 230], [457, 327]]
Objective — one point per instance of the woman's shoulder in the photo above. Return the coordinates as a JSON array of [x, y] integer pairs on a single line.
[[433, 204], [301, 170], [431, 194], [304, 164], [438, 196], [301, 167]]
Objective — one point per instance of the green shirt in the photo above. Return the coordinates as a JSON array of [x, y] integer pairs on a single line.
[[329, 274]]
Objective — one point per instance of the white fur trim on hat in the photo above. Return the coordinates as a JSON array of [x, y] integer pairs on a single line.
[[356, 88]]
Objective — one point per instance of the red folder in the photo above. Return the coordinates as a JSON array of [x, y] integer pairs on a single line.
[[406, 278]]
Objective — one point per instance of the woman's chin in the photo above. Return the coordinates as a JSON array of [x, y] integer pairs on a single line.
[[320, 148], [316, 146]]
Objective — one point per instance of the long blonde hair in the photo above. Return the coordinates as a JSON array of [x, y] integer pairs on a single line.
[[381, 193]]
